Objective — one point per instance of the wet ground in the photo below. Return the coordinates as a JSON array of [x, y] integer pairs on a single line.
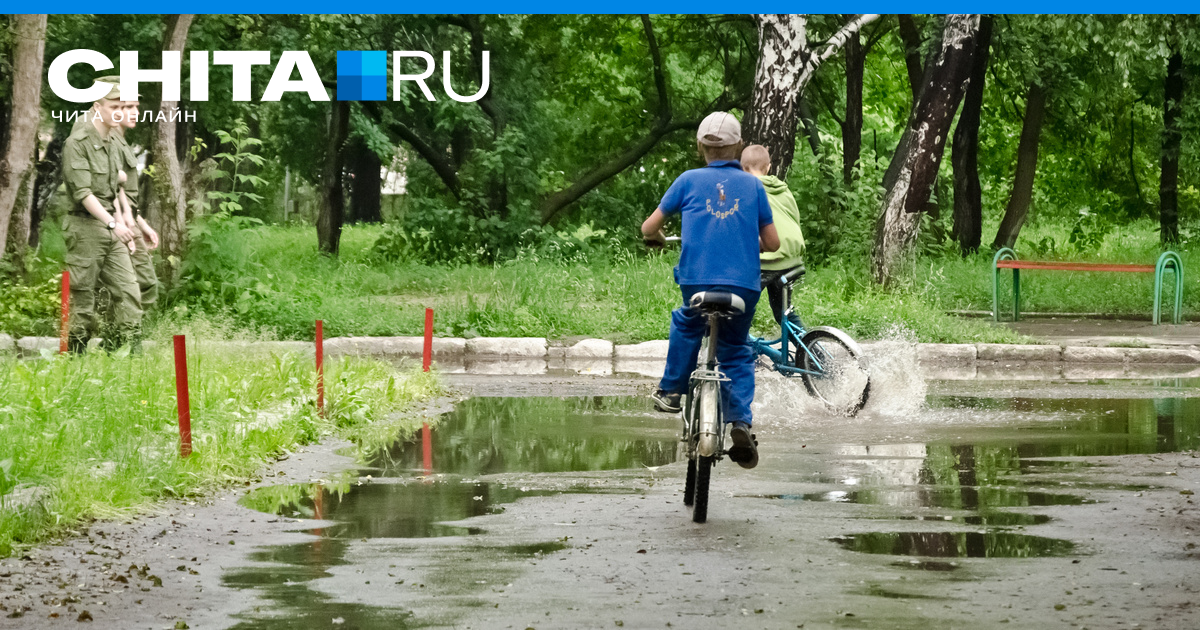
[[948, 504]]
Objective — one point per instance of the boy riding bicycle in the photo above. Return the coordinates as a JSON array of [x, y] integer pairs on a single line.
[[726, 222], [756, 160]]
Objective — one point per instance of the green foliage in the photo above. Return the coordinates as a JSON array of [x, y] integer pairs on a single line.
[[1088, 232], [29, 309], [233, 160]]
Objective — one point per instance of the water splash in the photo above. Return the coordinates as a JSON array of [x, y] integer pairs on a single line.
[[897, 387]]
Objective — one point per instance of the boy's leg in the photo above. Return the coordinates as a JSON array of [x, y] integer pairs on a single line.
[[737, 359], [687, 333]]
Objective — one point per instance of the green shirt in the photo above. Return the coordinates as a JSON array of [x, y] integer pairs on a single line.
[[127, 162], [90, 165], [787, 223]]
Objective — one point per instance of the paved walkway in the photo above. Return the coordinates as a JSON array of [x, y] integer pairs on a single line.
[[1066, 331]]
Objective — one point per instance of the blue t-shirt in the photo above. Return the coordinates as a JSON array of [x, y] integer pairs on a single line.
[[723, 208]]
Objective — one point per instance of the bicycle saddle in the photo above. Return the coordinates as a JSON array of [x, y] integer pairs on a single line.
[[718, 302]]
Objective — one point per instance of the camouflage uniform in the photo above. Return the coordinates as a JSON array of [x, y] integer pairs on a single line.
[[143, 264], [95, 256]]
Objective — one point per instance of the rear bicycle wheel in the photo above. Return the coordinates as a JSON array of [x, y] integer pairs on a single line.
[[835, 370], [704, 467], [689, 486]]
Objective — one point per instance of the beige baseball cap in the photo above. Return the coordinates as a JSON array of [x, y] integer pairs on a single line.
[[719, 129], [115, 93]]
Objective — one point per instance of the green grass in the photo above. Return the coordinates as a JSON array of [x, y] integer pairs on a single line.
[[624, 299], [958, 283], [97, 436], [282, 285]]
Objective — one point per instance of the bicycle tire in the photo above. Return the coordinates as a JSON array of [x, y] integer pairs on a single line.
[[708, 418], [820, 343], [689, 486], [704, 466]]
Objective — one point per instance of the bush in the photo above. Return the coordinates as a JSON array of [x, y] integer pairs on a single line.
[[30, 309]]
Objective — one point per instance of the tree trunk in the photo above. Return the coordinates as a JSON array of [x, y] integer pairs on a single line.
[[808, 118], [968, 196], [1168, 185], [782, 56], [17, 173], [49, 177], [928, 127], [910, 36], [169, 208], [1027, 154], [333, 198], [852, 127], [365, 191], [785, 66]]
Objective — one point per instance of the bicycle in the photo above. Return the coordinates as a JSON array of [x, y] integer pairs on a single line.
[[832, 366], [703, 425], [828, 361]]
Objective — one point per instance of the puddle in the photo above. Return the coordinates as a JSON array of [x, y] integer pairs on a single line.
[[391, 510], [956, 544], [485, 436], [988, 519], [960, 497]]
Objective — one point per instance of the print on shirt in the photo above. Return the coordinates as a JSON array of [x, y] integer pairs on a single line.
[[721, 214]]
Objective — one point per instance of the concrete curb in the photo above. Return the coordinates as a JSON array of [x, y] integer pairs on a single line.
[[986, 357]]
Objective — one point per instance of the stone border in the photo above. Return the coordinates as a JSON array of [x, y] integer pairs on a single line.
[[538, 348]]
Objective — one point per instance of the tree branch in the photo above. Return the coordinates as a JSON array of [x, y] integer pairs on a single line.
[[633, 151], [436, 159]]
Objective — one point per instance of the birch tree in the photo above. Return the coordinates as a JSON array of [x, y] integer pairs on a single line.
[[17, 170], [945, 80], [169, 209], [786, 64]]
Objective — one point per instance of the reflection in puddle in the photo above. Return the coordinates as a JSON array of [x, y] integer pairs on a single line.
[[484, 436], [959, 497], [989, 544], [391, 510]]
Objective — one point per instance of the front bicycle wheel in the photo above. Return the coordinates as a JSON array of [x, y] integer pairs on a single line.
[[835, 372], [689, 485], [704, 466]]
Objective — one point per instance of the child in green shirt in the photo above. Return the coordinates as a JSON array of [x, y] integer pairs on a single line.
[[790, 255]]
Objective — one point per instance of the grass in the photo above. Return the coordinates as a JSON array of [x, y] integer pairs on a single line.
[[958, 283], [282, 285], [96, 437], [625, 298]]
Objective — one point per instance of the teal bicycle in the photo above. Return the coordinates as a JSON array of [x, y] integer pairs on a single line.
[[828, 361]]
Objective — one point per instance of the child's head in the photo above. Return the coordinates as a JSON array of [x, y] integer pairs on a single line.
[[756, 160], [719, 137]]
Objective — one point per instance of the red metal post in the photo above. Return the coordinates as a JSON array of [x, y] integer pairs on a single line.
[[320, 368], [63, 329], [427, 448], [181, 394], [428, 339]]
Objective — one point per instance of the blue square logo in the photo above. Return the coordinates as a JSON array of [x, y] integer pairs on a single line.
[[362, 75]]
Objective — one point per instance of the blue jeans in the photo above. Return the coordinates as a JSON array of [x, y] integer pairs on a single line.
[[688, 326]]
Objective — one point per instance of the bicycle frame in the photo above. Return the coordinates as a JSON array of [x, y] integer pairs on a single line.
[[777, 349]]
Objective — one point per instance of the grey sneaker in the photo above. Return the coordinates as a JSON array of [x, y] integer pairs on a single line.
[[666, 402], [745, 446]]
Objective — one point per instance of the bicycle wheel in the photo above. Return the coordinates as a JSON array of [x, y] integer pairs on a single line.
[[835, 370], [689, 486], [704, 467]]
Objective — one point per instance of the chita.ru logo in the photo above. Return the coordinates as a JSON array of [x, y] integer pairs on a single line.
[[361, 75]]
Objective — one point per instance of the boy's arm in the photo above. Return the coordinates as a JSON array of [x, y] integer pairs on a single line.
[[768, 238], [652, 227]]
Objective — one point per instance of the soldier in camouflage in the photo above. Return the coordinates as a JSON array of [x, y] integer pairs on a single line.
[[98, 251]]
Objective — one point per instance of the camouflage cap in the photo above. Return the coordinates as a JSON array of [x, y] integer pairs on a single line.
[[115, 93]]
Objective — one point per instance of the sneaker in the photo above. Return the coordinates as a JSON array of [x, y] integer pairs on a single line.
[[666, 402], [745, 446]]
